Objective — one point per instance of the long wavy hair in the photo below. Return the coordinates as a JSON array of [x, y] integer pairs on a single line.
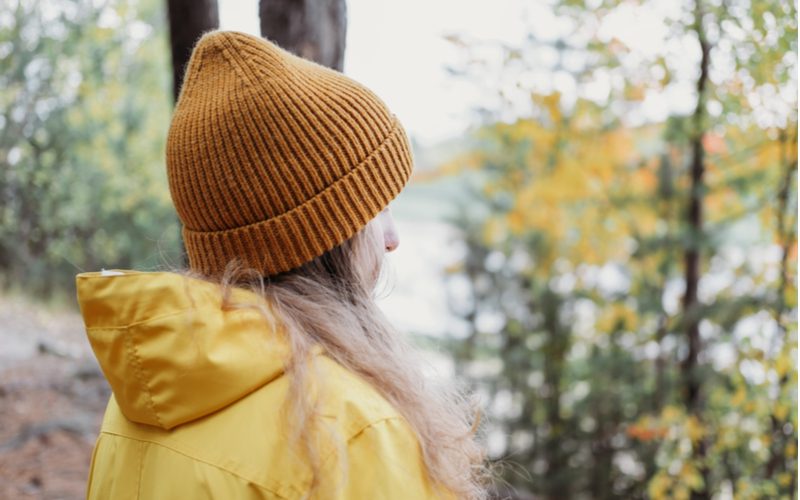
[[330, 302]]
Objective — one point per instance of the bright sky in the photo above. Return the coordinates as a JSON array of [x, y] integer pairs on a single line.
[[397, 49]]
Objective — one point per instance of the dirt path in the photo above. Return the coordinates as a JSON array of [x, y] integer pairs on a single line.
[[52, 396]]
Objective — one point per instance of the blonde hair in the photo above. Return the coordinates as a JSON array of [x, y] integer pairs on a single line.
[[330, 302]]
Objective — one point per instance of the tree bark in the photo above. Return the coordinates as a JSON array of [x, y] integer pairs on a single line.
[[666, 193], [312, 29], [694, 220], [787, 237], [188, 20], [555, 349]]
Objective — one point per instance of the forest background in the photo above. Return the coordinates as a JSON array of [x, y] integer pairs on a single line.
[[619, 219]]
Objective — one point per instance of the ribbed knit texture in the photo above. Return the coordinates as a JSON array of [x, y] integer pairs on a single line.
[[273, 160]]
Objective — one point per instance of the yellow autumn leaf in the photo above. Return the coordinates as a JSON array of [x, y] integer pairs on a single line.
[[516, 222], [690, 476], [681, 492], [781, 411], [493, 231], [670, 413], [739, 396], [783, 364], [659, 486], [694, 429], [454, 268]]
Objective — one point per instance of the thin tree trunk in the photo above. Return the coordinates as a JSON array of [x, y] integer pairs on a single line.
[[555, 349], [785, 233], [786, 236], [312, 29], [694, 221], [188, 20], [666, 193]]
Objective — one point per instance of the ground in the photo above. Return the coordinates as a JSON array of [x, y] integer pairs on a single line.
[[52, 397]]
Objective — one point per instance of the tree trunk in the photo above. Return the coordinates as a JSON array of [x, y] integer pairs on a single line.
[[666, 194], [694, 219], [787, 237], [188, 19], [558, 484], [312, 29]]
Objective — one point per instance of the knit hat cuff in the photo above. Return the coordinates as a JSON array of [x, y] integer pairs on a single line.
[[311, 229]]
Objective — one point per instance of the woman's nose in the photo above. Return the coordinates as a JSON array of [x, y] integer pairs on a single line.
[[391, 240]]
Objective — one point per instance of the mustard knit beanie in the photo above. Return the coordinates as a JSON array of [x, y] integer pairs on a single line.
[[274, 160]]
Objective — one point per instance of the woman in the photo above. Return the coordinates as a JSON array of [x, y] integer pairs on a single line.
[[267, 371]]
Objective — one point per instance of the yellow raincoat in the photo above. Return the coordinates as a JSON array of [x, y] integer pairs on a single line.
[[197, 398]]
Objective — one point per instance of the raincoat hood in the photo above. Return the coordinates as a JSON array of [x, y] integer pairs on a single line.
[[170, 351]]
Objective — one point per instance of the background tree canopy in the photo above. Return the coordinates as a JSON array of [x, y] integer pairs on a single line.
[[631, 301], [85, 110], [625, 296]]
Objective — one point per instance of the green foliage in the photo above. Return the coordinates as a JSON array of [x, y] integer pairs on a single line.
[[84, 89], [575, 271]]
